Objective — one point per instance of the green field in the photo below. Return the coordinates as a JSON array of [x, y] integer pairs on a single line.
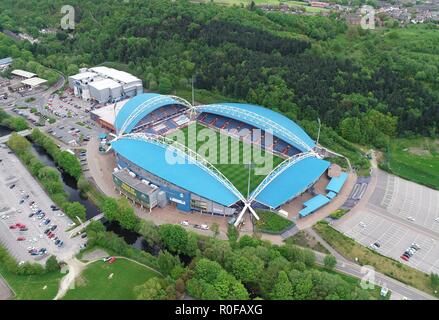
[[414, 159], [271, 222], [237, 173], [302, 4], [94, 282], [37, 287]]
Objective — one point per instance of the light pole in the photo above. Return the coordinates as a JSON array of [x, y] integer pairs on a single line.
[[318, 133]]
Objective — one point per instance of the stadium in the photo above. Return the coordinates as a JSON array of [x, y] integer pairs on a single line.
[[162, 158]]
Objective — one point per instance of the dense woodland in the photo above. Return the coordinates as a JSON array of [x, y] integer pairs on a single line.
[[367, 85]]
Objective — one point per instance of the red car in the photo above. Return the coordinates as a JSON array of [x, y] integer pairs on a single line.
[[51, 236], [21, 238], [112, 260], [20, 225], [404, 258]]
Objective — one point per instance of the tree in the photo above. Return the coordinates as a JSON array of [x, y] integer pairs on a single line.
[[150, 232], [18, 143], [52, 264], [75, 209], [215, 229], [232, 233], [330, 261], [165, 85], [167, 262], [282, 289], [174, 237], [152, 289]]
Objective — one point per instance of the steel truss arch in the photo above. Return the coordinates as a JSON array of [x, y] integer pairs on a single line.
[[144, 106], [193, 157], [249, 115], [287, 163]]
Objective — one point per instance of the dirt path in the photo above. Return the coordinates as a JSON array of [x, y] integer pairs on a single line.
[[76, 267]]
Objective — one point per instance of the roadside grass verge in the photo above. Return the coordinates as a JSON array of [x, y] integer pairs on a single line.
[[348, 248], [95, 282], [337, 214], [415, 159], [271, 222], [303, 239]]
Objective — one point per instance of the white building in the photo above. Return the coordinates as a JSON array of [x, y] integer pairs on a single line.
[[105, 84]]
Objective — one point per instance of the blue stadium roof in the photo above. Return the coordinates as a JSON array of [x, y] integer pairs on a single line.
[[134, 103], [186, 175], [243, 115], [292, 182], [337, 183]]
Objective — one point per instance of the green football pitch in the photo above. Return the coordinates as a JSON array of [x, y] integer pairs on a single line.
[[228, 148]]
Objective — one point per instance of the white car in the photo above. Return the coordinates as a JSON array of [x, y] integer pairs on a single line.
[[184, 223], [204, 227], [5, 216], [411, 218]]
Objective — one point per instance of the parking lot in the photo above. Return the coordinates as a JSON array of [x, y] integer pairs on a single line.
[[398, 214], [22, 226]]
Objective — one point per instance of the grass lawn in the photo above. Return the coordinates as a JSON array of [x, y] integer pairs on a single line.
[[271, 222], [414, 159], [94, 282], [305, 5], [351, 250], [237, 173], [337, 214], [31, 287], [303, 239]]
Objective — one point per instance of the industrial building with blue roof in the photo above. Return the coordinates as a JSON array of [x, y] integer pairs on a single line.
[[198, 186]]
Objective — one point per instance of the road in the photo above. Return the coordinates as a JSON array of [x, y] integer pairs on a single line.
[[355, 270]]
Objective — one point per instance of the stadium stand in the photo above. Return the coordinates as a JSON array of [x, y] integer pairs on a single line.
[[185, 175], [336, 183], [292, 182], [238, 129]]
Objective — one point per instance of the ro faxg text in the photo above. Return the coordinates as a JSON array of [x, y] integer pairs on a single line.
[[224, 309]]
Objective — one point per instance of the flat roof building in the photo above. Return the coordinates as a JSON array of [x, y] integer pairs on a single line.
[[106, 116], [104, 84], [5, 63], [34, 82], [23, 74]]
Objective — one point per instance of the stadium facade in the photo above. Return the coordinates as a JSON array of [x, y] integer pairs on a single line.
[[141, 147]]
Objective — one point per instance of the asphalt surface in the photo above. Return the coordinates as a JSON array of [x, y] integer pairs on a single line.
[[12, 172]]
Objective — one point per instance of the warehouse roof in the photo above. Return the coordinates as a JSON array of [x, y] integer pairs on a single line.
[[109, 113], [104, 84], [22, 73], [34, 82], [121, 76]]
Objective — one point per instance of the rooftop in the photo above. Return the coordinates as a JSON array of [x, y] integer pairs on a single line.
[[121, 76], [22, 73], [137, 184], [109, 112], [104, 84], [34, 82]]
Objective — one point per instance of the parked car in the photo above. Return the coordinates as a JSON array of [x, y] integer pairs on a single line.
[[53, 227], [21, 238]]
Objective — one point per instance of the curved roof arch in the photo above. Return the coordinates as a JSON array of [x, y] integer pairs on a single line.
[[265, 119], [140, 106], [186, 171]]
